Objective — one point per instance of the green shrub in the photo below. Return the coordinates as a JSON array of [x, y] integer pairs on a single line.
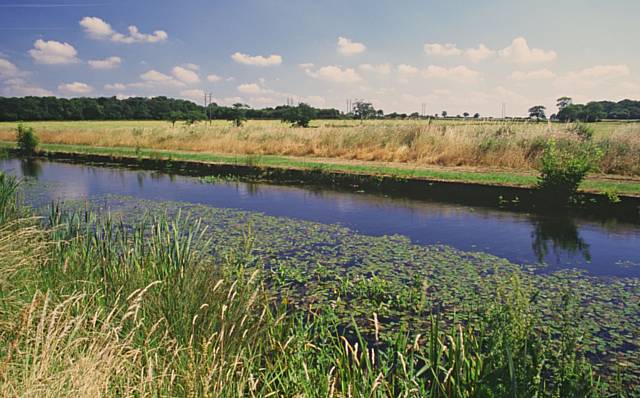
[[26, 139], [584, 131], [562, 170]]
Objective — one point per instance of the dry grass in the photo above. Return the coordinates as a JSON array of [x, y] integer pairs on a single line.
[[507, 145]]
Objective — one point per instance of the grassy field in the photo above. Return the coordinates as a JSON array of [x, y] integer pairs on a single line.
[[92, 306], [510, 146]]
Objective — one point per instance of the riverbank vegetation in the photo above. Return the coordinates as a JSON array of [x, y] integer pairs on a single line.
[[495, 145], [168, 305]]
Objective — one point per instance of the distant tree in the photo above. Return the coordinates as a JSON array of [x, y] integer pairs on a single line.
[[593, 112], [444, 113], [414, 115], [238, 114], [563, 102], [466, 115], [537, 112], [379, 113], [476, 115], [299, 116], [363, 110], [174, 117]]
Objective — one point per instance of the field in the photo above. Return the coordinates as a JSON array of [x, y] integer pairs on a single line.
[[146, 301], [486, 152], [473, 144]]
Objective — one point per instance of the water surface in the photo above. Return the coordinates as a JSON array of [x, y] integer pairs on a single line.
[[606, 247]]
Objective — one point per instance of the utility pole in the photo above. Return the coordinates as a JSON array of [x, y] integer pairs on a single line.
[[424, 110], [504, 110]]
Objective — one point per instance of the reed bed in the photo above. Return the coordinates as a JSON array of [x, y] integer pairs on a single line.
[[93, 307], [486, 144]]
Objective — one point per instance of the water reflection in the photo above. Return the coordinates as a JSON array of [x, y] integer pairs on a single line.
[[560, 234], [31, 168]]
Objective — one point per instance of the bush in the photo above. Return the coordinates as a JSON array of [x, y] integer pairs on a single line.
[[584, 131], [562, 170], [26, 139], [299, 116]]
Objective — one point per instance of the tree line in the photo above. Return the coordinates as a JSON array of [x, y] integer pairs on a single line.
[[140, 108], [593, 111]]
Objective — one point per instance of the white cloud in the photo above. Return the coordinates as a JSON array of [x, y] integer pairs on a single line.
[[17, 87], [250, 88], [519, 52], [191, 66], [540, 74], [600, 72], [334, 73], [185, 75], [107, 63], [75, 88], [53, 52], [155, 76], [307, 65], [213, 78], [193, 94], [349, 47], [7, 69], [382, 69], [115, 87], [479, 53], [97, 28], [446, 49], [407, 70], [257, 60], [460, 72]]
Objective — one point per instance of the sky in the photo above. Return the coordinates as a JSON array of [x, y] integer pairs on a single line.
[[463, 56]]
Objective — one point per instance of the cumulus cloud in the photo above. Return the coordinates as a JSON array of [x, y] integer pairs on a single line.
[[107, 63], [97, 28], [192, 94], [115, 87], [335, 74], [407, 70], [479, 53], [257, 60], [7, 69], [75, 88], [446, 49], [348, 47], [155, 76], [600, 72], [53, 52], [17, 87], [460, 72], [382, 69], [185, 75], [520, 52], [250, 88], [307, 65], [600, 76], [540, 74], [213, 78]]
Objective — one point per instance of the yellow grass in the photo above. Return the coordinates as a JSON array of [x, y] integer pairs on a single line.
[[513, 145]]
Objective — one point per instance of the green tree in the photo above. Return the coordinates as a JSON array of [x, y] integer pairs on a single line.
[[444, 113], [363, 110], [26, 139], [563, 102], [537, 112], [238, 114], [299, 116]]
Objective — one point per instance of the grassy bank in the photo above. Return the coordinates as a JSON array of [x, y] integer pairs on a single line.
[[452, 143], [95, 307], [596, 184]]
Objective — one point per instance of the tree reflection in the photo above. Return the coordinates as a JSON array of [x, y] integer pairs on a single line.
[[560, 234], [30, 168]]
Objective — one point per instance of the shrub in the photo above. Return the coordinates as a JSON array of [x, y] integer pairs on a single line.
[[584, 131], [562, 170], [26, 139]]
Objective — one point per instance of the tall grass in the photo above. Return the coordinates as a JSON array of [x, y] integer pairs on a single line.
[[93, 307], [497, 144]]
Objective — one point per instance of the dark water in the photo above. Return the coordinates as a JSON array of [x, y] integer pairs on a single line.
[[606, 247]]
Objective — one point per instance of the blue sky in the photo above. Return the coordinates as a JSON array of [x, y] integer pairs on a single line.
[[464, 56]]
